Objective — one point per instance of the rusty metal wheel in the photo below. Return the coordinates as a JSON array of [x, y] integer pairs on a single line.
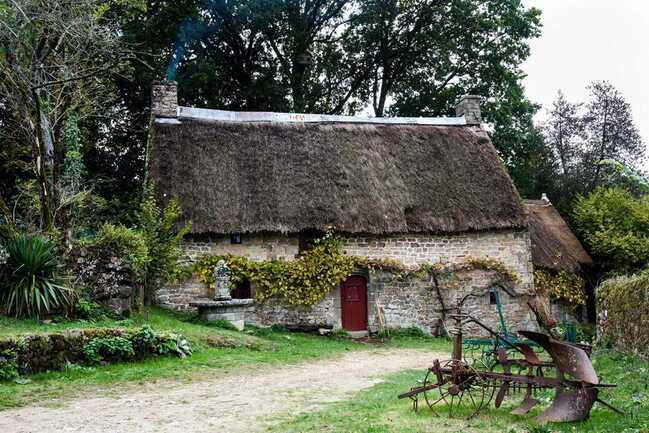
[[464, 394]]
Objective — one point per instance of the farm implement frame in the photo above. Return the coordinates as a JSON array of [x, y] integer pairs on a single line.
[[467, 388]]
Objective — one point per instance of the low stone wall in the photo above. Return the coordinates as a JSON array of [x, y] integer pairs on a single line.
[[179, 296], [46, 352]]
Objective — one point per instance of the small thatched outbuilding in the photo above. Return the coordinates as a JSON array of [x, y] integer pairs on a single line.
[[554, 245], [556, 251], [416, 190]]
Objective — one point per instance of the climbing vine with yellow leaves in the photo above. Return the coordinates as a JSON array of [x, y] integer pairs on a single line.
[[306, 280], [561, 285]]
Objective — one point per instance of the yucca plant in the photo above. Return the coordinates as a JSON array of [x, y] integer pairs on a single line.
[[31, 283]]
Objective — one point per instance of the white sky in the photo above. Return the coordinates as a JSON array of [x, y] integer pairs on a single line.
[[587, 40]]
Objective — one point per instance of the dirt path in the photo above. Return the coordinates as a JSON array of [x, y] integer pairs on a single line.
[[239, 403]]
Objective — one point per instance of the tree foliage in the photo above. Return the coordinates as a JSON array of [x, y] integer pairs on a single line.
[[624, 312], [54, 60], [595, 143], [615, 226]]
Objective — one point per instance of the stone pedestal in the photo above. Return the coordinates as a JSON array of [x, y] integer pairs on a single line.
[[233, 310]]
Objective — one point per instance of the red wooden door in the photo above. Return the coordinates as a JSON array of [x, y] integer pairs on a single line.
[[353, 299]]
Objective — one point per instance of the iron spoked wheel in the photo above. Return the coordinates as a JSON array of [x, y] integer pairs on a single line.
[[464, 396]]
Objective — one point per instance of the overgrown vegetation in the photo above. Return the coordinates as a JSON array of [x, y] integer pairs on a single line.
[[151, 248], [31, 281], [624, 306], [561, 285], [615, 225], [35, 353]]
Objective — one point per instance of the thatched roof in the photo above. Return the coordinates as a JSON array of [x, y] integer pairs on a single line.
[[554, 245], [359, 178]]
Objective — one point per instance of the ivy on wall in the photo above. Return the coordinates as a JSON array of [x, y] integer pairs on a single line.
[[306, 280], [561, 285]]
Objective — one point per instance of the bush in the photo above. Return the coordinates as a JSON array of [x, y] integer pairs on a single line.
[[126, 242], [111, 349], [8, 365], [173, 344], [624, 312], [152, 249], [31, 282], [85, 308], [162, 236], [615, 225]]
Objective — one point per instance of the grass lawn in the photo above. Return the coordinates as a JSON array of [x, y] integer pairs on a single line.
[[377, 410], [216, 351]]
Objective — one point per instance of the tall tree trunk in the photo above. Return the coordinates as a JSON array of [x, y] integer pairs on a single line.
[[42, 153]]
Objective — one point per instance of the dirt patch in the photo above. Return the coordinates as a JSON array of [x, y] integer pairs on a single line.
[[246, 402]]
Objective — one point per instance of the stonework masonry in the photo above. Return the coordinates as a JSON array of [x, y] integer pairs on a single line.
[[401, 303]]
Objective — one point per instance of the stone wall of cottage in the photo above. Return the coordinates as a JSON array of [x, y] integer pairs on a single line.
[[511, 247], [402, 303]]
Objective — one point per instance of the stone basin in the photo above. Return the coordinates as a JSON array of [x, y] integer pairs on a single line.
[[230, 310]]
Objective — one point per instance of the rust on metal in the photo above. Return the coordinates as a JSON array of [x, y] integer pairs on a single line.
[[467, 390]]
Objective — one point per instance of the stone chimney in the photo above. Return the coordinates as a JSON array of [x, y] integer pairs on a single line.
[[469, 107], [164, 99]]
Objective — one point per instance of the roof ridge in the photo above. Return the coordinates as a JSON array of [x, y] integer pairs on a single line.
[[269, 116]]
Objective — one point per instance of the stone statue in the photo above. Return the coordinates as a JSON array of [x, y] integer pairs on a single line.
[[222, 281]]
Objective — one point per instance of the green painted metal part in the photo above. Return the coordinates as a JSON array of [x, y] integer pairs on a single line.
[[489, 346]]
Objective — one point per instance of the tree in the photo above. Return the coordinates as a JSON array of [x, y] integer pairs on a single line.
[[54, 57], [615, 226], [590, 143], [563, 132], [610, 132], [428, 53]]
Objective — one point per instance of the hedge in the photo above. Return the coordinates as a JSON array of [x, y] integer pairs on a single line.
[[624, 313], [43, 352]]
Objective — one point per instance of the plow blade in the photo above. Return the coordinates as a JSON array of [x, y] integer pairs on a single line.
[[570, 404], [501, 394], [528, 403], [567, 358]]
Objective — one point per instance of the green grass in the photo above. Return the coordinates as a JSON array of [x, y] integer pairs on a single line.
[[217, 351], [377, 410]]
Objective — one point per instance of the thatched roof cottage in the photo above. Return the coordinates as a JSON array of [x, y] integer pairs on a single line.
[[416, 190]]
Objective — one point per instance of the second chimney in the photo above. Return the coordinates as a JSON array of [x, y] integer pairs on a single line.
[[164, 99], [469, 107]]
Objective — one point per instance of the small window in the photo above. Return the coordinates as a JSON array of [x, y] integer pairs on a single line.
[[235, 238], [492, 298], [306, 239], [242, 290]]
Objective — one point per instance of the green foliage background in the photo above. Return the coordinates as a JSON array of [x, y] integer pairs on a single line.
[[624, 307], [615, 226]]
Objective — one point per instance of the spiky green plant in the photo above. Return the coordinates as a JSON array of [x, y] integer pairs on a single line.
[[31, 283]]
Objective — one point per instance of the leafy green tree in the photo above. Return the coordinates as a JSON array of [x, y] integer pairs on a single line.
[[615, 226], [610, 132], [162, 237], [594, 144], [54, 57]]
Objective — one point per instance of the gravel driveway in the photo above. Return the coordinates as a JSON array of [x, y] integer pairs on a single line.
[[243, 402]]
